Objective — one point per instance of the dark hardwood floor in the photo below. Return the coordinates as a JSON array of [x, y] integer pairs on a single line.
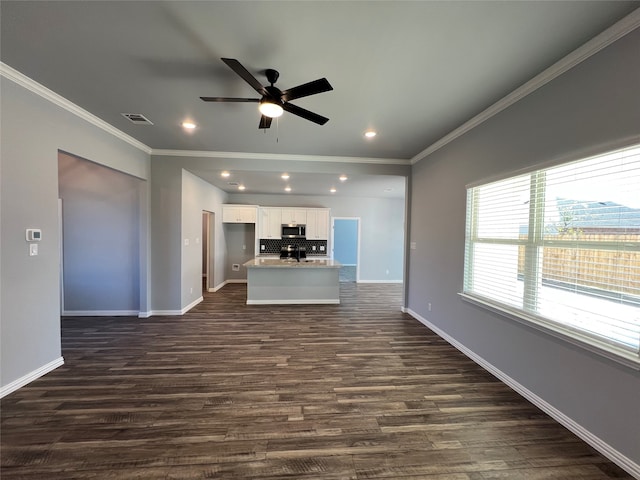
[[230, 391]]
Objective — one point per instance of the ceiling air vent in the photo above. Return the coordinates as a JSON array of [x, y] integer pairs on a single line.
[[137, 118]]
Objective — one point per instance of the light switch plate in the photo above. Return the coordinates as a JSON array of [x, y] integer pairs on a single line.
[[33, 249]]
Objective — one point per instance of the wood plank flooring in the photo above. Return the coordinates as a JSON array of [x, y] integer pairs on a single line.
[[230, 391]]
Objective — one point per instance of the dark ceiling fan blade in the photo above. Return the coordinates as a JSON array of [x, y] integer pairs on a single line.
[[306, 114], [311, 88], [265, 122], [237, 67], [228, 99]]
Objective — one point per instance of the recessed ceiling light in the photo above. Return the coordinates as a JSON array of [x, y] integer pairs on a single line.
[[285, 176], [287, 189], [343, 178], [370, 134], [225, 174], [188, 125], [241, 187], [333, 190]]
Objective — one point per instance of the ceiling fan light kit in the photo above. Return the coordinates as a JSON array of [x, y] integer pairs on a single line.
[[275, 101], [270, 109]]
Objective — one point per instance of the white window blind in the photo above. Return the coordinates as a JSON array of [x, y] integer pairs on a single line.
[[560, 247]]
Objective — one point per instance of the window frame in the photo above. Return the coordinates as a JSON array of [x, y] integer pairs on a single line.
[[532, 272]]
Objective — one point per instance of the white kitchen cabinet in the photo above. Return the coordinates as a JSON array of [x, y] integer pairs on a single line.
[[318, 224], [239, 213], [294, 215], [270, 222]]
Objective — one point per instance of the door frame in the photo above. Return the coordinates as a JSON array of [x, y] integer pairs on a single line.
[[208, 250], [359, 236]]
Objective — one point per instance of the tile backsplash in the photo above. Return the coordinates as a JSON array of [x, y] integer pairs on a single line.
[[272, 246]]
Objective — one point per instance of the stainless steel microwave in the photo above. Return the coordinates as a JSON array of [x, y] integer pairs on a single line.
[[293, 230]]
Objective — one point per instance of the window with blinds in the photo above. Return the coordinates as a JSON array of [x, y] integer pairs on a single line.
[[560, 247]]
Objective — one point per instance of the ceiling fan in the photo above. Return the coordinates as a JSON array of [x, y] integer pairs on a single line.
[[274, 101]]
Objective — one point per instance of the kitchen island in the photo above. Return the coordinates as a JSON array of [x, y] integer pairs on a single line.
[[272, 281]]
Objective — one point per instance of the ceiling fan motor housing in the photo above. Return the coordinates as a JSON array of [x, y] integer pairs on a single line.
[[272, 75]]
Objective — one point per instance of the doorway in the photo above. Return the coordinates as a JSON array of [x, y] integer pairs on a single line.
[[208, 254], [345, 244]]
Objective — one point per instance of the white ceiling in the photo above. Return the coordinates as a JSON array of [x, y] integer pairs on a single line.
[[412, 70]]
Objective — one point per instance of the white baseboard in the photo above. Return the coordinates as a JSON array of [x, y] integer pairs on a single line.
[[294, 302], [177, 312], [100, 313], [218, 287], [380, 281], [30, 377], [604, 448]]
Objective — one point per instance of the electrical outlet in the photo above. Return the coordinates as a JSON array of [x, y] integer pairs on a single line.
[[313, 247], [235, 267], [429, 306], [262, 247], [186, 242], [322, 248]]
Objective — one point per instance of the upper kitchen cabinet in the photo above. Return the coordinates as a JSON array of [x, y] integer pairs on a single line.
[[270, 222], [294, 215], [239, 213], [318, 224]]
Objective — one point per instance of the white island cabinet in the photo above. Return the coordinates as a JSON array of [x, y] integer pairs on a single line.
[[273, 281]]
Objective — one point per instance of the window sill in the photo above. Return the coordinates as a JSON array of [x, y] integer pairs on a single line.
[[592, 344]]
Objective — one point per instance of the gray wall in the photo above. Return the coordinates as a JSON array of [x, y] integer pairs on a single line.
[[177, 201], [381, 223], [592, 107], [101, 225], [198, 195], [33, 131], [240, 241]]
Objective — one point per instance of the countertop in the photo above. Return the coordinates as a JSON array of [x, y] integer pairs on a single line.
[[308, 262]]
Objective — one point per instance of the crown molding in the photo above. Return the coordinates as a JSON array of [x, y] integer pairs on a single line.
[[278, 156], [593, 46], [15, 76]]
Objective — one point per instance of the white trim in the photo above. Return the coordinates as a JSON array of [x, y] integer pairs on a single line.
[[294, 302], [191, 305], [380, 281], [173, 312], [278, 156], [593, 46], [331, 254], [603, 447], [226, 282], [34, 87], [146, 314], [100, 313], [31, 376]]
